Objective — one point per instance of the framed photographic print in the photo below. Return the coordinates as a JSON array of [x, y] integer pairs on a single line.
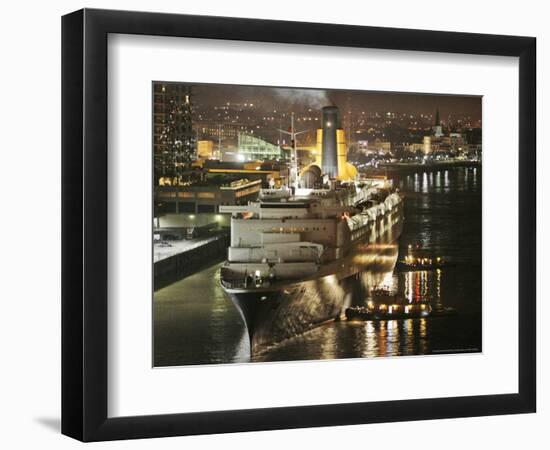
[[276, 224]]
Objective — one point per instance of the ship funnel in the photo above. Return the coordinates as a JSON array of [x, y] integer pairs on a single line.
[[330, 124]]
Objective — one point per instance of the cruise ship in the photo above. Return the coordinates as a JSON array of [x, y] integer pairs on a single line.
[[297, 254]]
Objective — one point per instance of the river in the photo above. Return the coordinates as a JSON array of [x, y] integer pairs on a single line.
[[195, 323]]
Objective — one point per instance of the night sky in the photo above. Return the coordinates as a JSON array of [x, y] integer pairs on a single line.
[[286, 100]]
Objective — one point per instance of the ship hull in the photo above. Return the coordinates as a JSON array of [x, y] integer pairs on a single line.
[[274, 315]]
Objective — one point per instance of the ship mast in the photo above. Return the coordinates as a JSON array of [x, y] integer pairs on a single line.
[[294, 156]]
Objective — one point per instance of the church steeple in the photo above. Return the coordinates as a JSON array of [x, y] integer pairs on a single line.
[[436, 128]]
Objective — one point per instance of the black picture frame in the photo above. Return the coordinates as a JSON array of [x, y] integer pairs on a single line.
[[84, 224]]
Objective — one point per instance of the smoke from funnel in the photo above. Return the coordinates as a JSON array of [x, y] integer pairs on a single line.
[[331, 123], [315, 99]]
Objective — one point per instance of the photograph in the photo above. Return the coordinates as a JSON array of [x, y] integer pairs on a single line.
[[298, 224]]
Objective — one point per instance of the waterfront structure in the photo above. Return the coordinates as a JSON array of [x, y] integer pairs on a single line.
[[292, 250], [254, 170], [205, 149], [415, 147], [375, 147], [187, 226], [457, 143], [253, 148], [427, 145], [204, 197]]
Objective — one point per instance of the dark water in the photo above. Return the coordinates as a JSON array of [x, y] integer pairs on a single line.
[[196, 324]]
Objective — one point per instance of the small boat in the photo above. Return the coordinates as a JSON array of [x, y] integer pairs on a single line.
[[381, 292], [414, 262], [396, 311], [384, 311], [410, 264], [444, 311]]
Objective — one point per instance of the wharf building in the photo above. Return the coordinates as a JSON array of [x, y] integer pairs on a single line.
[[224, 184], [253, 148], [246, 147], [375, 147], [455, 143], [204, 198]]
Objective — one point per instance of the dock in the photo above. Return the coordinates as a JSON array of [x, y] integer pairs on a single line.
[[174, 260], [414, 167]]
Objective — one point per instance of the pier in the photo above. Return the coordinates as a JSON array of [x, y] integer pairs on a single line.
[[174, 260], [412, 167]]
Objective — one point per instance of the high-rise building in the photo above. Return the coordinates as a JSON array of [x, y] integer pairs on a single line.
[[174, 141]]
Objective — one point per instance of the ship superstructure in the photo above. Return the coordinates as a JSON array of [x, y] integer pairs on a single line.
[[283, 237], [291, 250]]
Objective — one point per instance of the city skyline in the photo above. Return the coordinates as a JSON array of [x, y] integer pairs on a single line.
[[215, 121], [282, 99]]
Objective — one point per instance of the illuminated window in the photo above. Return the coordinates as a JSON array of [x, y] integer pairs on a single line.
[[206, 195]]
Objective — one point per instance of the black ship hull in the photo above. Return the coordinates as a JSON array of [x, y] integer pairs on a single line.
[[272, 316]]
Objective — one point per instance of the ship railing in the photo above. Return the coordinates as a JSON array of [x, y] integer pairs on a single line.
[[232, 284], [246, 283]]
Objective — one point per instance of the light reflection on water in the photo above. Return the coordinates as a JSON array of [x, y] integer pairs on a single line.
[[368, 339], [196, 324]]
